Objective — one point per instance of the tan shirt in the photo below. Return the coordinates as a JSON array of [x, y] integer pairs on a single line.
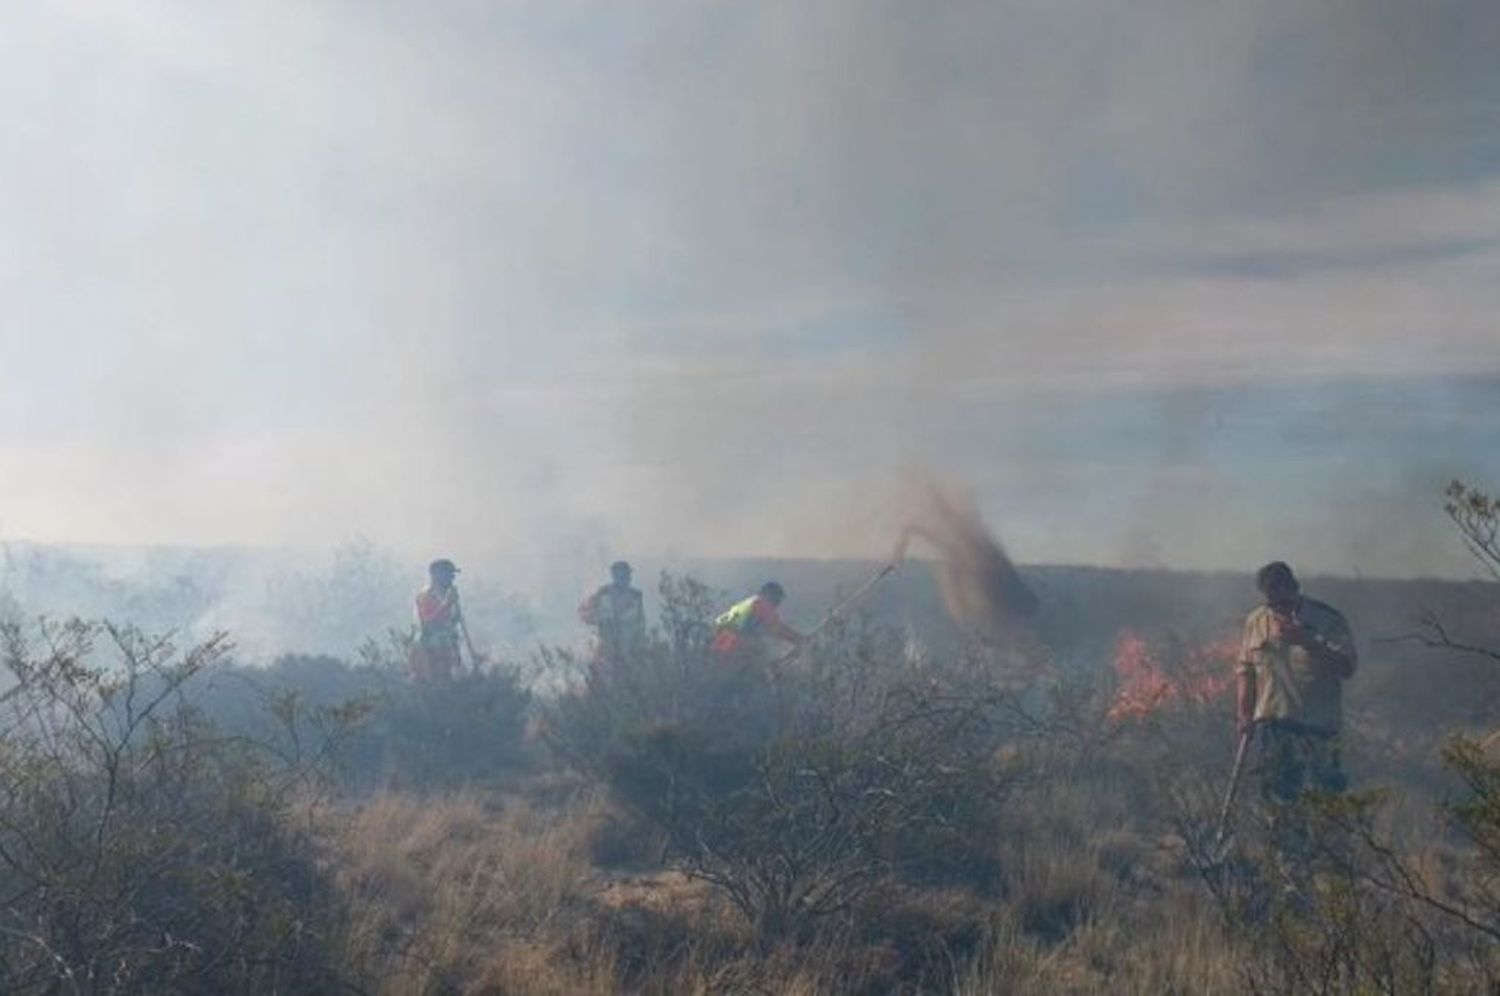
[[619, 620], [1290, 683]]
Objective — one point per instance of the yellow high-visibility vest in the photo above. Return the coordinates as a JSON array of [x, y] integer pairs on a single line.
[[738, 616]]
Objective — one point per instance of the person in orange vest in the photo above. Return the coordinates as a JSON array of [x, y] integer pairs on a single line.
[[618, 615], [436, 655], [750, 625]]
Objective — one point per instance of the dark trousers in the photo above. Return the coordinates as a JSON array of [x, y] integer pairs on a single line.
[[1296, 760]]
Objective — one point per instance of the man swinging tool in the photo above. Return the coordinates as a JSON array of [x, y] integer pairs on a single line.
[[749, 628]]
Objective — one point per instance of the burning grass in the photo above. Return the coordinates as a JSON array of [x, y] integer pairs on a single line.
[[1150, 679]]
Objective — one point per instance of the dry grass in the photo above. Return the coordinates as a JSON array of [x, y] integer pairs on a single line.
[[443, 892], [467, 895], [462, 894], [474, 895], [509, 894], [1182, 953]]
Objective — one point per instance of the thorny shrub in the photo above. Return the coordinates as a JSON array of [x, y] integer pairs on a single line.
[[423, 737], [141, 850], [798, 787], [434, 736]]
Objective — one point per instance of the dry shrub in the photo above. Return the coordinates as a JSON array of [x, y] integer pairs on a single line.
[[142, 851], [797, 788], [420, 737], [805, 825], [456, 895]]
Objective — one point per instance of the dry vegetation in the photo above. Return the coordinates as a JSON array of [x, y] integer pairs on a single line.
[[866, 819]]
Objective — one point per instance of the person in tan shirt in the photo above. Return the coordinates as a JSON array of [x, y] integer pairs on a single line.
[[618, 616], [1296, 654]]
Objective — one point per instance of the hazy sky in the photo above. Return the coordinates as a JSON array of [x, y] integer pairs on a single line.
[[1174, 283]]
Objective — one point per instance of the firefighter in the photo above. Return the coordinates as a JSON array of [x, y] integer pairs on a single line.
[[436, 655], [749, 628], [617, 614]]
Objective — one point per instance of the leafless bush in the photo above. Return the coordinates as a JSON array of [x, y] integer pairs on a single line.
[[438, 737], [421, 737], [795, 788], [1476, 513], [141, 850]]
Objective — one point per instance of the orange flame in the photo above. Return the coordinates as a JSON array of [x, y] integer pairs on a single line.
[[1147, 685]]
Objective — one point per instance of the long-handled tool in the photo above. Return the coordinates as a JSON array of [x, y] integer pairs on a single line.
[[881, 573], [474, 657], [1240, 754]]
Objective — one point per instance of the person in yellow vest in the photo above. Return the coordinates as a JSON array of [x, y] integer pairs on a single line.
[[751, 626], [617, 614]]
